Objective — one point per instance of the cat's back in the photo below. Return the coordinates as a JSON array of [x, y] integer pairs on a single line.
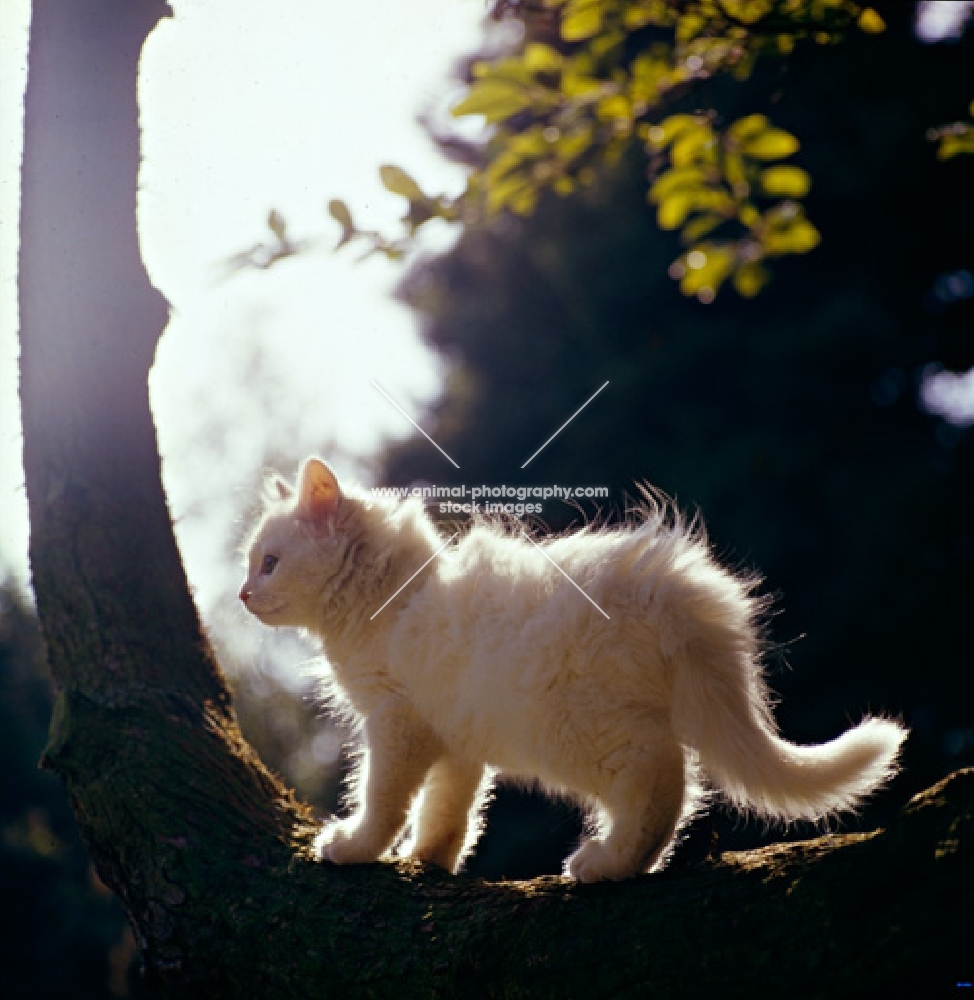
[[501, 652], [499, 577], [503, 599]]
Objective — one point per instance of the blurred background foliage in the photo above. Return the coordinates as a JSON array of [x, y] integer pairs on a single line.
[[797, 421], [592, 81]]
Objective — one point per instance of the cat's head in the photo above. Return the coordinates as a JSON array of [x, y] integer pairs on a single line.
[[296, 550]]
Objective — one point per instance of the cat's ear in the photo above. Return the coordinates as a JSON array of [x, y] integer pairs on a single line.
[[284, 492], [318, 491]]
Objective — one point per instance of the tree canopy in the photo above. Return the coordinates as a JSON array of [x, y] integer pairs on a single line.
[[594, 80]]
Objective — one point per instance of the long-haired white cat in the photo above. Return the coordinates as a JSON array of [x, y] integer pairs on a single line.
[[490, 660]]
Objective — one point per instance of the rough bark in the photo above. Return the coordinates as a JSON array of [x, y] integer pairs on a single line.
[[206, 849]]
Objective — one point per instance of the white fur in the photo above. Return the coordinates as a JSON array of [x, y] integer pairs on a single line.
[[491, 660]]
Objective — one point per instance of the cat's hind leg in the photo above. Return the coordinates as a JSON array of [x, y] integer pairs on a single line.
[[446, 817], [643, 804]]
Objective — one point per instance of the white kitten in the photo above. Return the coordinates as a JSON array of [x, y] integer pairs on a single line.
[[491, 660]]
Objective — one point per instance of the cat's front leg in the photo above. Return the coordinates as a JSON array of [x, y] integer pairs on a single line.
[[400, 748], [447, 821]]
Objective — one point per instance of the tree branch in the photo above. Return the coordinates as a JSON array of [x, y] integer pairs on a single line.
[[226, 905]]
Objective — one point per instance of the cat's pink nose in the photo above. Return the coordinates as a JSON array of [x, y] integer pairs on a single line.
[[244, 594]]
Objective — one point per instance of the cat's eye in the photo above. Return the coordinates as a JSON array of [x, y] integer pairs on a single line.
[[267, 566]]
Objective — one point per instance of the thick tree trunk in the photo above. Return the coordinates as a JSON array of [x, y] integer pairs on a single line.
[[122, 632], [207, 851]]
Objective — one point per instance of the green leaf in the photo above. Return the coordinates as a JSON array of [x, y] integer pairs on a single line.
[[605, 42], [649, 75], [688, 26], [523, 202], [505, 161], [797, 235], [530, 143], [871, 22], [540, 58], [735, 173], [637, 16], [701, 226], [581, 19], [671, 128], [747, 127], [696, 146], [338, 210], [748, 215], [639, 13], [675, 179], [750, 279], [504, 191], [494, 99], [747, 11], [614, 108], [707, 267], [575, 84], [770, 144], [951, 145], [673, 210], [785, 181], [396, 180], [571, 145], [512, 70]]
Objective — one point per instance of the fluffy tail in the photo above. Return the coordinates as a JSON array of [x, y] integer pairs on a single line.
[[721, 709]]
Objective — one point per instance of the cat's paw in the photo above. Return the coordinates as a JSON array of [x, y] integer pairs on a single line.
[[595, 861], [344, 843], [443, 850]]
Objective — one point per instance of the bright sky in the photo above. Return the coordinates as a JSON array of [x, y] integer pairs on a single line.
[[249, 106]]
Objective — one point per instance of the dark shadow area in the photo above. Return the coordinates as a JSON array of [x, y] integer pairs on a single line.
[[65, 934]]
